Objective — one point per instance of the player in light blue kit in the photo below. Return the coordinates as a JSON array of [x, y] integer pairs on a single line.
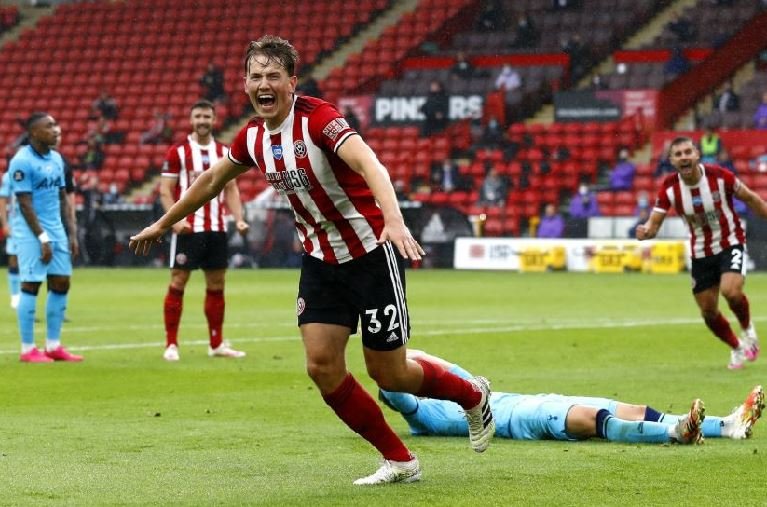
[[6, 207], [44, 251], [558, 417]]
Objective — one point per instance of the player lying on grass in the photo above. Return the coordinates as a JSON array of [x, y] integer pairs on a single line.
[[557, 417]]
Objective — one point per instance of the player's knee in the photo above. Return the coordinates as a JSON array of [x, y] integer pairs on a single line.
[[733, 295], [321, 371], [31, 289]]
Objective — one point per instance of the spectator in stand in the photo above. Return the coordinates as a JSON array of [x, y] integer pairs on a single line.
[[728, 100], [584, 203], [710, 145], [664, 164], [643, 214], [560, 5], [723, 159], [493, 134], [552, 223], [527, 34], [598, 82], [309, 86], [212, 83], [492, 18], [622, 175], [447, 177], [159, 131], [509, 82], [579, 53], [682, 28], [435, 110], [93, 158], [352, 119], [508, 79], [105, 106], [677, 65], [463, 68], [760, 116], [493, 189]]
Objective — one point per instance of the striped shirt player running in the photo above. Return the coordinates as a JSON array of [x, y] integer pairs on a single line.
[[199, 240], [702, 195], [351, 227]]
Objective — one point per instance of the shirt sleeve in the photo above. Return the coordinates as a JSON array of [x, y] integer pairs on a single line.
[[328, 128], [172, 165], [238, 151], [22, 177], [662, 202]]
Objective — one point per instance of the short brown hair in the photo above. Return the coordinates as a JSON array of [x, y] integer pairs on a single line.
[[275, 49], [203, 104]]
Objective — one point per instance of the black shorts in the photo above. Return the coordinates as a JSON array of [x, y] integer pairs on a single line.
[[707, 271], [199, 250], [370, 288]]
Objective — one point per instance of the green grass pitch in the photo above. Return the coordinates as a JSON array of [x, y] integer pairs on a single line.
[[127, 428]]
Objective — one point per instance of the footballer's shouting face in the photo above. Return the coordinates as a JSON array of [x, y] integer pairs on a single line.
[[684, 157], [270, 89]]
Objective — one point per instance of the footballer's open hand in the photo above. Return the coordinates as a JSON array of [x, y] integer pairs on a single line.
[[142, 242]]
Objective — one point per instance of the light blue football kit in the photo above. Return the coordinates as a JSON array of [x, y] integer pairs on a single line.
[[41, 176], [532, 417], [10, 243]]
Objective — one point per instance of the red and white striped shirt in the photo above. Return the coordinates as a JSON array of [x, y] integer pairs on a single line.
[[706, 207], [335, 212], [185, 162]]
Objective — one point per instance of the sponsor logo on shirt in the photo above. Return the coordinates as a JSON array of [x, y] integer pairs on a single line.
[[289, 181], [334, 128], [299, 148], [48, 183], [277, 151]]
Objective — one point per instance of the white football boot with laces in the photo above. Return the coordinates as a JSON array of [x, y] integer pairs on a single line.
[[393, 471], [224, 350], [480, 418], [171, 353], [751, 342], [740, 423]]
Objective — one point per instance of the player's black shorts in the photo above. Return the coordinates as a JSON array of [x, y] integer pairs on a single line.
[[707, 271], [370, 288], [199, 250]]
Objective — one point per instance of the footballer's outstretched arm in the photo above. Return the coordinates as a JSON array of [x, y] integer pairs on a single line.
[[207, 186]]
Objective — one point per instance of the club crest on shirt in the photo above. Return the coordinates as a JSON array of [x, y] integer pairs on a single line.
[[299, 148], [334, 128], [715, 196], [277, 151]]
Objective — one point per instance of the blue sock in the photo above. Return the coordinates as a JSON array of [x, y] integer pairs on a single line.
[[26, 317], [711, 427], [405, 403], [650, 414], [14, 284], [619, 430], [55, 306]]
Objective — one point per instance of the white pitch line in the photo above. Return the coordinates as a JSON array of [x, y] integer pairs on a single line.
[[516, 328]]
